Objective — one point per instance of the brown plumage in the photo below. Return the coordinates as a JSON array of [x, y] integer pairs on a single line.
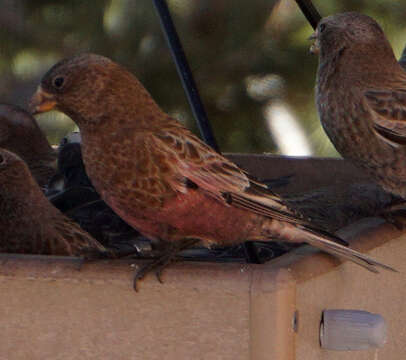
[[361, 97], [157, 175], [20, 133], [29, 224]]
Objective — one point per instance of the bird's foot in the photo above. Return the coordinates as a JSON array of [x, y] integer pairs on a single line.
[[158, 265]]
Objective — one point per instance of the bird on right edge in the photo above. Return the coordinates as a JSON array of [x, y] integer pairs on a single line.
[[361, 97], [159, 177]]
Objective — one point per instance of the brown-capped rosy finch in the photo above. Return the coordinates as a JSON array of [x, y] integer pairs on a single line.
[[29, 223], [158, 176], [361, 97]]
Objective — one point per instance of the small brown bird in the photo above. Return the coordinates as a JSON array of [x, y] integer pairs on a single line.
[[158, 176], [361, 97], [29, 224], [20, 133]]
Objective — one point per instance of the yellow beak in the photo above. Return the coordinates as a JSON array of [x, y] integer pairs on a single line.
[[42, 102]]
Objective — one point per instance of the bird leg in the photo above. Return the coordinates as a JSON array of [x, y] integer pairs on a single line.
[[171, 249]]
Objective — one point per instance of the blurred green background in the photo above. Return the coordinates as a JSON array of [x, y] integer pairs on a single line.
[[250, 60]]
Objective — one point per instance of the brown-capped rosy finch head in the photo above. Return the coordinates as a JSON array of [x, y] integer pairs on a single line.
[[87, 87], [65, 86], [20, 133], [349, 31]]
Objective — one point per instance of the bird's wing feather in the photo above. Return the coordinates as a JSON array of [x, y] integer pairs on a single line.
[[69, 239], [199, 163], [389, 121], [218, 176]]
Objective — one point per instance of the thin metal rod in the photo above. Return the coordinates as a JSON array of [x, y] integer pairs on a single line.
[[185, 74], [310, 12]]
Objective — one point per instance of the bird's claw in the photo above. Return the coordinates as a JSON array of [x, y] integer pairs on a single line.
[[168, 256], [160, 264], [158, 275]]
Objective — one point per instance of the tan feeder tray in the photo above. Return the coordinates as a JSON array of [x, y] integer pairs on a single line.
[[51, 308]]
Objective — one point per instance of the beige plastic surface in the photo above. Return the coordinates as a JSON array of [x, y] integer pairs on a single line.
[[49, 309]]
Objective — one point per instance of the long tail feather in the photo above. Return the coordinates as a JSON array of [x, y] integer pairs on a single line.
[[344, 252]]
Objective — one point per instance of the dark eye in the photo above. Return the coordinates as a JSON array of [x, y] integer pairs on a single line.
[[2, 160], [58, 82], [322, 27]]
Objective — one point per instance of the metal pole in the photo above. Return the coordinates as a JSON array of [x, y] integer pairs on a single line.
[[310, 12], [185, 73]]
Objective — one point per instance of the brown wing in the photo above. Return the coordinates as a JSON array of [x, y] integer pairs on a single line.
[[194, 161], [389, 120], [65, 237]]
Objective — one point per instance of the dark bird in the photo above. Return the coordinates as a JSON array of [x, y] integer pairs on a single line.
[[71, 170], [29, 224], [361, 97], [20, 133], [158, 176], [336, 206]]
